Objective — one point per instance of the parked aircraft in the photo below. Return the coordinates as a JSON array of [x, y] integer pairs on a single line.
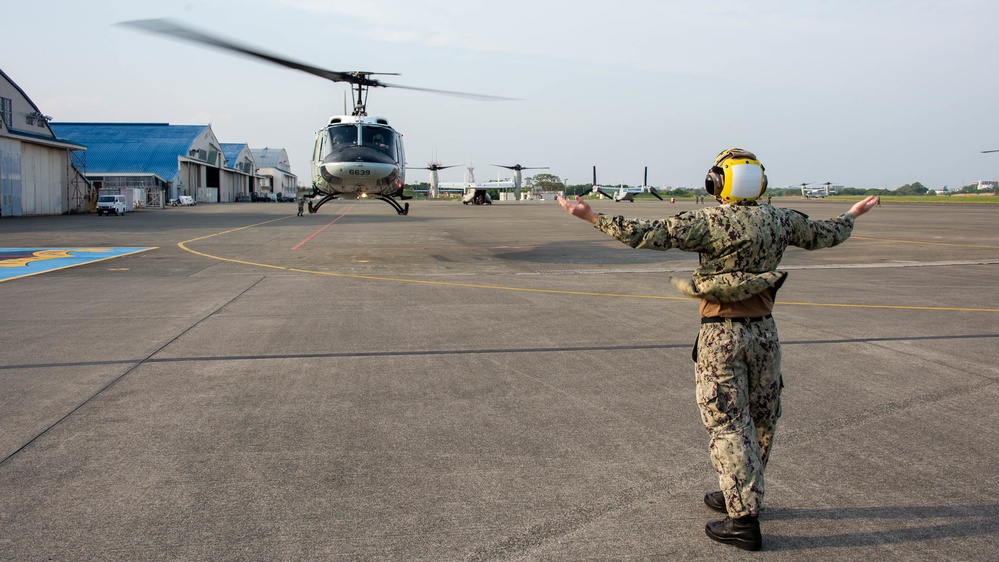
[[826, 190], [475, 193], [622, 193], [434, 167], [517, 177]]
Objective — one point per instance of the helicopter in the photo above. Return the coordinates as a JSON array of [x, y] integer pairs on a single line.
[[517, 177], [434, 167], [625, 193], [475, 193], [356, 156], [818, 192]]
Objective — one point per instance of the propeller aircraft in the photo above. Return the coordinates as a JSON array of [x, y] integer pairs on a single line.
[[517, 177], [818, 192], [434, 167], [475, 193], [622, 193], [356, 156]]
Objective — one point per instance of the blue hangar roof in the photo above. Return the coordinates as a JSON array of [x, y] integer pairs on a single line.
[[231, 151], [132, 148]]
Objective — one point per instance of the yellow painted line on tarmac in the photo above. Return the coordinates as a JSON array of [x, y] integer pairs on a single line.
[[889, 306], [183, 246]]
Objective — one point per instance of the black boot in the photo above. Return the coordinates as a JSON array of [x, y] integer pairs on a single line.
[[716, 501], [743, 532]]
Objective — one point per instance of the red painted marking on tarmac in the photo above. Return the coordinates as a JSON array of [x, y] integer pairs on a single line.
[[316, 233]]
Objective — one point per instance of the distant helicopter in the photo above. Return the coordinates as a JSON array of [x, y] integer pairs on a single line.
[[625, 193], [517, 177], [817, 192], [434, 167], [474, 193], [355, 156]]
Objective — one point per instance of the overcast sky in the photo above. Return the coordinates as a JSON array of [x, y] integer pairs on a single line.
[[862, 93]]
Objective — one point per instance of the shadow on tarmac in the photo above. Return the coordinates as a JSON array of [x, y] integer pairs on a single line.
[[969, 520]]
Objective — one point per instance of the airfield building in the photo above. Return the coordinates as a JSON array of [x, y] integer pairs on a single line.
[[275, 169], [242, 180], [39, 174], [165, 161], [54, 168]]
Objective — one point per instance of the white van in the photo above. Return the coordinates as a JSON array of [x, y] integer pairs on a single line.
[[111, 204]]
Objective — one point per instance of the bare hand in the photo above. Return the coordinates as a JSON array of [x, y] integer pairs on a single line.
[[578, 209], [862, 207]]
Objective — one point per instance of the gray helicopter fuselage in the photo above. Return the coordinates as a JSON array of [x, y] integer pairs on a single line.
[[357, 157]]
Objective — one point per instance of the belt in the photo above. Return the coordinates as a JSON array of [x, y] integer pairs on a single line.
[[741, 320]]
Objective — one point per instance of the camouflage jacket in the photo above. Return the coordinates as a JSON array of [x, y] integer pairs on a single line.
[[740, 246]]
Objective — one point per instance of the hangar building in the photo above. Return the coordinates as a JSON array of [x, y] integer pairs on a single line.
[[175, 160], [273, 165], [161, 158], [38, 175]]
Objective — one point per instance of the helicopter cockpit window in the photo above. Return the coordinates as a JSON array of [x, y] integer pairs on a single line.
[[341, 136], [381, 138]]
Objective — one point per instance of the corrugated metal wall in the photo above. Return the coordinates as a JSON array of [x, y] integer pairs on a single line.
[[10, 178], [43, 180], [33, 179]]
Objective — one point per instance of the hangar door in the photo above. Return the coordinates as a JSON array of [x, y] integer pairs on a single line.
[[10, 178]]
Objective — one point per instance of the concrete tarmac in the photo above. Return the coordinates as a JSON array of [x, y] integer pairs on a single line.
[[481, 383]]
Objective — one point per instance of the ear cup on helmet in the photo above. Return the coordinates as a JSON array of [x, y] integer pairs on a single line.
[[714, 181]]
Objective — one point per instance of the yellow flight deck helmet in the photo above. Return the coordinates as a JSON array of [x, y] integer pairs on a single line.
[[736, 176]]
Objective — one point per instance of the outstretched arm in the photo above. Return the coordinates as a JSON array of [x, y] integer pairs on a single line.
[[815, 234], [862, 207], [579, 209]]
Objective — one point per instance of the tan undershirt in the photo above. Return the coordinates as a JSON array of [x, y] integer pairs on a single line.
[[753, 307]]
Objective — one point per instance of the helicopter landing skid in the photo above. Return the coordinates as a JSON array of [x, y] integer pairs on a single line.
[[315, 207], [401, 209]]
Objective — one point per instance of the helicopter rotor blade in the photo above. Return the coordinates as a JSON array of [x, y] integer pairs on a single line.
[[173, 29], [481, 97], [519, 167], [988, 151], [431, 167]]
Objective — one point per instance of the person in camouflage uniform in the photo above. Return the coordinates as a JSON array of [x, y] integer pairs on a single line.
[[737, 353]]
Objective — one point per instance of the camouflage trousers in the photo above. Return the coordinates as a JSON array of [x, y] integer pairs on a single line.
[[738, 394]]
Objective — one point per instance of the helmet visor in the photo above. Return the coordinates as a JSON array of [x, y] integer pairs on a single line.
[[743, 180]]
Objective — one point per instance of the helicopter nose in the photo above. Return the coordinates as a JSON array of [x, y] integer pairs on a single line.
[[358, 171]]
